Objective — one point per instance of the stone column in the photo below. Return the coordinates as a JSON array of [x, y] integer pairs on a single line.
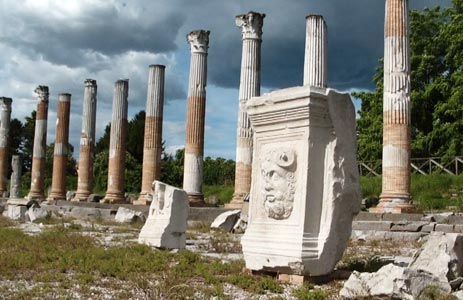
[[37, 191], [395, 196], [152, 146], [15, 181], [118, 144], [5, 116], [315, 61], [194, 146], [60, 155], [251, 29], [87, 143]]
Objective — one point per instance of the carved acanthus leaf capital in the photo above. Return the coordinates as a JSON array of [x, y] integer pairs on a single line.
[[42, 93], [251, 25], [198, 40]]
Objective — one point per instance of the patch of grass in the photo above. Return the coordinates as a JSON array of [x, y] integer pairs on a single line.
[[200, 227], [223, 242], [307, 292], [224, 193], [258, 285], [6, 222], [370, 186], [433, 293]]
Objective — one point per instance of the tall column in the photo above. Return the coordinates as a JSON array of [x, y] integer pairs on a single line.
[[87, 143], [60, 155], [194, 146], [5, 116], [118, 144], [37, 191], [251, 29], [15, 181], [395, 196], [315, 61], [152, 146]]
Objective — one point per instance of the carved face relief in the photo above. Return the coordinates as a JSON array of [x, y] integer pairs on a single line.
[[278, 172]]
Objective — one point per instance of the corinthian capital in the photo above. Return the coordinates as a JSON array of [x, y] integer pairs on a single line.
[[251, 25], [42, 93], [198, 40]]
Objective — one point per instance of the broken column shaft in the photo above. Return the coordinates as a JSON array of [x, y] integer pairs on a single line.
[[395, 194], [60, 154], [315, 61], [15, 181], [194, 146], [251, 28], [152, 146], [37, 191], [118, 144], [87, 143], [5, 117]]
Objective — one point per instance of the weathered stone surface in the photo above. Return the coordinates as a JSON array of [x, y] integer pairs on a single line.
[[15, 181], [94, 198], [456, 283], [227, 220], [408, 226], [35, 213], [17, 212], [70, 195], [31, 228], [402, 217], [83, 212], [458, 294], [167, 220], [305, 143], [447, 228], [368, 235], [441, 255], [125, 215], [366, 216], [429, 227], [372, 225], [22, 201]]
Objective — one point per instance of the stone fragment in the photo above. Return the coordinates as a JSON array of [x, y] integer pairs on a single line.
[[429, 227], [82, 212], [35, 213], [167, 220], [17, 212], [70, 195], [458, 294], [447, 228], [408, 226], [227, 220], [369, 235], [31, 228], [442, 217], [441, 255], [372, 225], [125, 215]]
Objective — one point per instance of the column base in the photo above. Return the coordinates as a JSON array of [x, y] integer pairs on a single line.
[[80, 197], [143, 199], [35, 197], [196, 200], [237, 200], [394, 204], [114, 199], [56, 196]]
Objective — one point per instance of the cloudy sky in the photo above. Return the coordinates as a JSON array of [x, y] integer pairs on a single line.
[[60, 43]]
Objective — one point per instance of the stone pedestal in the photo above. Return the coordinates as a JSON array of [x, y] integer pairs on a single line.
[[167, 218], [194, 145], [37, 191], [251, 28], [305, 183], [87, 143], [395, 196], [118, 144], [152, 146], [5, 116], [15, 181], [60, 156], [315, 64]]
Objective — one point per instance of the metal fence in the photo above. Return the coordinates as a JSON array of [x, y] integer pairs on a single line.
[[423, 166]]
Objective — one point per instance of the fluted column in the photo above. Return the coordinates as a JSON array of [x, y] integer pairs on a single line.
[[87, 143], [37, 191], [251, 29], [60, 154], [194, 145], [395, 194], [315, 61], [5, 116], [15, 181], [118, 144], [152, 146]]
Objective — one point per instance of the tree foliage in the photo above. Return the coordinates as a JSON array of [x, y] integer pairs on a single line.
[[436, 42]]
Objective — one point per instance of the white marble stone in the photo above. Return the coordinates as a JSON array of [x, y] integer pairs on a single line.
[[167, 220], [125, 215], [17, 212], [305, 183], [227, 220]]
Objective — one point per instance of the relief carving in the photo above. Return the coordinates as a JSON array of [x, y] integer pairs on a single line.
[[278, 169]]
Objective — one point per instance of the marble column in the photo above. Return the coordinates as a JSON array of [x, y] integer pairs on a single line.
[[251, 30], [118, 144], [60, 154], [15, 181], [315, 61], [5, 117], [395, 196], [194, 145], [87, 143], [152, 146], [37, 191]]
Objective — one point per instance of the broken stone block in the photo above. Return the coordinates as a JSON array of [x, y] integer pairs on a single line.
[[227, 220], [125, 215], [305, 182], [408, 226], [447, 228], [70, 195], [17, 212], [94, 198], [167, 220], [441, 255], [35, 213]]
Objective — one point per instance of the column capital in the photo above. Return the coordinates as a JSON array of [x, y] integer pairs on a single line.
[[5, 103], [42, 93], [198, 40], [251, 25], [90, 82]]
